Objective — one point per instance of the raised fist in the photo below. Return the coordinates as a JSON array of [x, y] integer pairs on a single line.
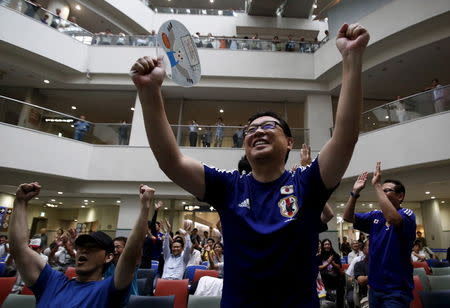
[[25, 192], [146, 194], [148, 72], [352, 39]]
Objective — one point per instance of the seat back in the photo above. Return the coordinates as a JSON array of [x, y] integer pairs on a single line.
[[441, 271], [146, 273], [200, 273], [19, 301], [70, 272], [344, 267], [424, 265], [435, 299], [190, 271], [416, 302], [196, 301], [179, 288], [439, 282], [6, 284], [420, 271], [137, 301]]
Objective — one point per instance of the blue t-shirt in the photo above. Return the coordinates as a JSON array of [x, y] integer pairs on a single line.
[[390, 249], [54, 289], [270, 233], [133, 290]]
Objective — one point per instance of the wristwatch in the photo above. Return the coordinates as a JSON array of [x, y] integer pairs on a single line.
[[356, 196]]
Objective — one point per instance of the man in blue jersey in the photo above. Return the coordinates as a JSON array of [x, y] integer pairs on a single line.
[[271, 207], [392, 232], [93, 252]]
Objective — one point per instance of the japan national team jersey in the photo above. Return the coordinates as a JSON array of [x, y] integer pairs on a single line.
[[270, 235], [389, 250]]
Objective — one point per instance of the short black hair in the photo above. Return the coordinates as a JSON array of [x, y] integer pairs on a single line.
[[244, 165], [195, 229], [283, 124], [399, 187], [211, 239], [121, 239], [3, 235], [178, 240]]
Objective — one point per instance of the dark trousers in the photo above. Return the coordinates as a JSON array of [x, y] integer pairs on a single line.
[[391, 299], [193, 139]]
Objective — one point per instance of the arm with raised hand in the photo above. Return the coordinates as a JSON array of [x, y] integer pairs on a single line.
[[327, 214], [126, 265], [389, 211], [28, 262], [337, 152], [148, 75], [349, 212]]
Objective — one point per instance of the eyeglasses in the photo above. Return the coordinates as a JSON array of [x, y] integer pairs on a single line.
[[386, 190], [264, 126]]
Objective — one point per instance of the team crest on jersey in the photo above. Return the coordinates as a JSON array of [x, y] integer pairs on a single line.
[[287, 190], [288, 206]]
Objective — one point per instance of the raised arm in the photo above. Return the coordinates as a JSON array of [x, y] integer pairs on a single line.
[[327, 213], [126, 265], [389, 211], [349, 212], [155, 215], [187, 248], [337, 152], [28, 262], [166, 242], [184, 171]]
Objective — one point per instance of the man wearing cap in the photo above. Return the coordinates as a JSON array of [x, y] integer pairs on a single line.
[[93, 252]]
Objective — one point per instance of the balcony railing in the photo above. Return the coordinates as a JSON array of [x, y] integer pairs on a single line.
[[108, 39], [34, 117], [406, 109]]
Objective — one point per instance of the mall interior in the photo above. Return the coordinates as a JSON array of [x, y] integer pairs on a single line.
[[51, 74]]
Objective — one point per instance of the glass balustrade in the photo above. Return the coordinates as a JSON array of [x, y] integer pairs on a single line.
[[34, 117], [108, 39]]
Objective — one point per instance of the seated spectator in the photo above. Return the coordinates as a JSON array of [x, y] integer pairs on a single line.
[[50, 253], [216, 260], [417, 254], [356, 252], [65, 255], [208, 249], [195, 256], [362, 277], [4, 246], [177, 256], [119, 245], [330, 271], [94, 252], [290, 44]]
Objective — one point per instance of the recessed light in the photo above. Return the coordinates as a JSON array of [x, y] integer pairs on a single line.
[[37, 198], [60, 202], [118, 201], [211, 1], [46, 81], [92, 201], [442, 201], [132, 108], [60, 192], [183, 202], [221, 110], [52, 200], [74, 107], [342, 204], [370, 204], [83, 206], [427, 193], [433, 197], [75, 220], [386, 117], [166, 208], [78, 7]]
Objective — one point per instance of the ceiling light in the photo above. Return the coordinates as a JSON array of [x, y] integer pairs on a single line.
[[37, 198], [342, 204], [166, 208], [132, 108], [74, 107], [442, 201], [72, 125], [118, 201], [92, 201], [78, 7], [211, 1], [60, 202], [46, 81], [183, 202], [60, 192], [370, 204], [42, 214], [52, 200], [427, 193], [86, 200], [386, 117], [221, 110], [83, 206], [433, 197], [314, 6], [75, 220]]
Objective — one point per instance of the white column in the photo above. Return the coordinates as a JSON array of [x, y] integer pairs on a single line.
[[138, 137], [318, 119], [433, 220], [128, 213]]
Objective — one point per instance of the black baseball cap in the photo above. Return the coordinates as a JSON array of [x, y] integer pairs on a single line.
[[99, 238]]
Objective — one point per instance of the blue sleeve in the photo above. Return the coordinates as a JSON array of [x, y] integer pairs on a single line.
[[408, 224], [217, 186], [363, 221], [314, 191], [49, 281], [117, 298]]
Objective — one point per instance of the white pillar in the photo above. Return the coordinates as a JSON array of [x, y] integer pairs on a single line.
[[128, 214], [318, 119], [138, 136], [433, 220]]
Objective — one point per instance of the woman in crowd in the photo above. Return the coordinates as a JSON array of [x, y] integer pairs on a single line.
[[330, 271]]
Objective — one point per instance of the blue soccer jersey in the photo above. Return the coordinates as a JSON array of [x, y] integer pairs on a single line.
[[390, 249], [270, 235]]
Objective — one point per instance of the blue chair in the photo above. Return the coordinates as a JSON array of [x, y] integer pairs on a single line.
[[2, 268], [151, 301], [435, 299], [205, 263], [154, 266], [190, 271]]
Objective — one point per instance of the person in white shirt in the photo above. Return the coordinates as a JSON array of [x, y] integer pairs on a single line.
[[175, 262], [195, 257], [417, 254], [356, 252], [4, 246]]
